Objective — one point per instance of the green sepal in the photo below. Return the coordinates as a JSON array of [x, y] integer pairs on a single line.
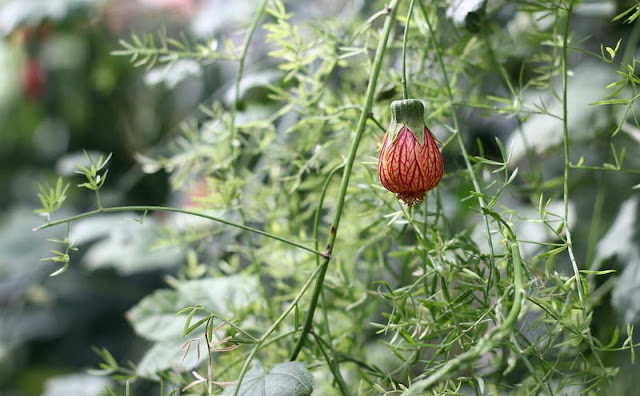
[[409, 113]]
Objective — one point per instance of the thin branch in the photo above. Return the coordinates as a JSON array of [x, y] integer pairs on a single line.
[[362, 122], [465, 155], [490, 340], [119, 209], [567, 164]]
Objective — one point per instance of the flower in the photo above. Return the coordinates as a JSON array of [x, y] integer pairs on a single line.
[[410, 162], [33, 80]]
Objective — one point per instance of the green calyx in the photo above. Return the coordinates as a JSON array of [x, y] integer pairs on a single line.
[[407, 113]]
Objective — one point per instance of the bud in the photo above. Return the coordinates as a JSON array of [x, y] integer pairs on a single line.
[[410, 162]]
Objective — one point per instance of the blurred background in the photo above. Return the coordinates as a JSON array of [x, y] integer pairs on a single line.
[[62, 91]]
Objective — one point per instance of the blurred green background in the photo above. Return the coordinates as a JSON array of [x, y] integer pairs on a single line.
[[62, 91]]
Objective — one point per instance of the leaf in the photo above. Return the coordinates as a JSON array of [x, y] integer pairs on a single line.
[[610, 102], [619, 239], [173, 73], [76, 384], [154, 317], [602, 272], [171, 355], [467, 13], [124, 245], [284, 379]]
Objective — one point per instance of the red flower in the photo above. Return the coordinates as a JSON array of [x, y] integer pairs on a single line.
[[33, 80], [410, 162]]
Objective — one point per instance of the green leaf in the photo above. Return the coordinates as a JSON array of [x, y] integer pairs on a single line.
[[601, 272], [610, 102], [171, 354], [284, 379], [76, 384], [614, 338], [154, 317], [124, 245]]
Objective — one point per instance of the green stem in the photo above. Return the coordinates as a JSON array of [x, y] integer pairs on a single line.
[[605, 169], [594, 228], [489, 341], [316, 219], [508, 87], [243, 57], [465, 155], [405, 90], [98, 201], [224, 370], [271, 329], [378, 124], [567, 164], [333, 363], [362, 122], [118, 209]]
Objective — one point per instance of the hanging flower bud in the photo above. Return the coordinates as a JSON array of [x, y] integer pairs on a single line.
[[410, 162]]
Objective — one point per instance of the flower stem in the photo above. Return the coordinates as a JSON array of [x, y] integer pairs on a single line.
[[362, 122], [405, 90], [119, 209]]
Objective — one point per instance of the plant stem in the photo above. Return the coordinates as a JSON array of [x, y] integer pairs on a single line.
[[595, 227], [118, 209], [508, 87], [271, 329], [465, 155], [98, 201], [490, 340], [567, 164], [362, 122], [334, 362], [331, 362], [243, 57], [234, 131], [405, 90]]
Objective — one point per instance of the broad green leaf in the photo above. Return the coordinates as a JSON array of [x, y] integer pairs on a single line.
[[76, 384], [154, 317], [125, 245], [284, 379], [171, 354]]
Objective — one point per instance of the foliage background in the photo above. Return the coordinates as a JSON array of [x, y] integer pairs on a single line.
[[401, 293]]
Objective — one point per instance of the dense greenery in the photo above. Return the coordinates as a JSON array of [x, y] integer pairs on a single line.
[[289, 269]]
